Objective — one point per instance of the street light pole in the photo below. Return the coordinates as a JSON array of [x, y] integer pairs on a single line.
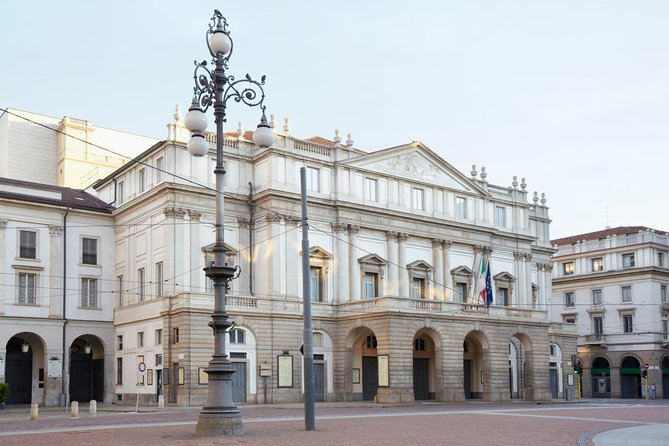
[[220, 415]]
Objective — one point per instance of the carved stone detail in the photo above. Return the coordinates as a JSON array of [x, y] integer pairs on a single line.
[[194, 215], [353, 229], [437, 243], [390, 235], [402, 237], [55, 230], [292, 220], [244, 223], [338, 227], [174, 212], [3, 223], [273, 218]]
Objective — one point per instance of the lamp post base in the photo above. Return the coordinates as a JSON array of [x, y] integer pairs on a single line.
[[219, 422]]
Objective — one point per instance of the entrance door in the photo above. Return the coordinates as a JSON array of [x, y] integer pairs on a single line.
[[421, 378], [19, 374], [174, 383], [467, 371], [98, 379], [629, 385], [319, 381], [554, 383], [370, 377], [81, 373], [159, 383], [239, 382]]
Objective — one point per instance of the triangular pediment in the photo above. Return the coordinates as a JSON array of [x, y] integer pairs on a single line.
[[372, 259], [415, 162], [504, 276], [420, 265], [210, 249], [462, 270]]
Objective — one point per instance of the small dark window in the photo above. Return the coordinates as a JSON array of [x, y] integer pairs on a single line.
[[371, 342]]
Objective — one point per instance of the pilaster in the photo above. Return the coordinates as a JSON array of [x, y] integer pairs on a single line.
[[437, 262], [402, 260], [392, 286], [56, 271], [448, 279], [354, 271], [341, 260]]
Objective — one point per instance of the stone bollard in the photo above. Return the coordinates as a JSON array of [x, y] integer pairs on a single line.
[[93, 408], [74, 411], [34, 411], [161, 401]]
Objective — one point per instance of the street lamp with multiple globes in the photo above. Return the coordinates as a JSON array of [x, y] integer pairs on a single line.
[[220, 416]]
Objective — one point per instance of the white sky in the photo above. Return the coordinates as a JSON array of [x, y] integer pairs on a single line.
[[572, 95]]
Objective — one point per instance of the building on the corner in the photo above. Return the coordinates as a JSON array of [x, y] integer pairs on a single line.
[[612, 286], [396, 238], [56, 279]]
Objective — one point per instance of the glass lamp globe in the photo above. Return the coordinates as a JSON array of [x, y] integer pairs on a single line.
[[195, 120], [263, 137], [198, 145], [219, 43]]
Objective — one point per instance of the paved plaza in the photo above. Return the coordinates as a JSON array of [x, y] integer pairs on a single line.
[[588, 422]]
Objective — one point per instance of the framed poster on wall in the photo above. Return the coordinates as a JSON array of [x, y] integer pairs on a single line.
[[285, 366], [383, 371]]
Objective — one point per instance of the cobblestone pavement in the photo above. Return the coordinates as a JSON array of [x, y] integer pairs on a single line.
[[590, 422]]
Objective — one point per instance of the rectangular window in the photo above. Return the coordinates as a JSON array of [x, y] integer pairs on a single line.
[[500, 216], [141, 180], [28, 244], [371, 189], [418, 288], [628, 326], [159, 279], [119, 290], [140, 284], [567, 268], [627, 293], [371, 285], [27, 288], [418, 199], [460, 207], [119, 342], [160, 166], [660, 259], [175, 335], [159, 359], [663, 293], [569, 320], [596, 297], [140, 339], [665, 329], [120, 193], [89, 251], [119, 371], [460, 292], [597, 264], [628, 260], [313, 179], [569, 300], [158, 336], [503, 296], [316, 284], [237, 336], [89, 292], [597, 326]]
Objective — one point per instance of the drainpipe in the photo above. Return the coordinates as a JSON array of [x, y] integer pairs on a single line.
[[65, 394], [115, 192], [251, 224]]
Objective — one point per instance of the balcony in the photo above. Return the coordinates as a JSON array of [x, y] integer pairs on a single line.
[[596, 339]]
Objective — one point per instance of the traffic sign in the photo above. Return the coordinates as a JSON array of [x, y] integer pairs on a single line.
[[141, 367]]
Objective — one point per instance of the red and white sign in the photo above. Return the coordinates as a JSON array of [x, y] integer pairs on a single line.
[[141, 367]]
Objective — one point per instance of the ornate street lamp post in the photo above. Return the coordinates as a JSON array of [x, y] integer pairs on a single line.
[[220, 415]]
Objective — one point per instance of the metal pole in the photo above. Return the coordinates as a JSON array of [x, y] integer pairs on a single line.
[[308, 336]]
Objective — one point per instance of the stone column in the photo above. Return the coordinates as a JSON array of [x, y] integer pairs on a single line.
[[293, 248], [528, 280], [341, 264], [3, 280], [273, 246], [197, 279], [354, 272], [548, 284], [56, 267], [245, 255], [174, 250], [402, 260], [392, 285], [520, 297], [448, 279], [437, 264]]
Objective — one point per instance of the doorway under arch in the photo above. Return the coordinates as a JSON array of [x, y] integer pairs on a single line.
[[87, 369], [630, 377], [601, 378], [521, 368], [424, 360], [363, 345], [475, 380], [24, 368]]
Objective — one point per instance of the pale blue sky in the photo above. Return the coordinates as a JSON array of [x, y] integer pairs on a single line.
[[572, 95]]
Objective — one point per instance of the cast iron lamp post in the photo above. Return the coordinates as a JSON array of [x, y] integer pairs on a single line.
[[220, 415]]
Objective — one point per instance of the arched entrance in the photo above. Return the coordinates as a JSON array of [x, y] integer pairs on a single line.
[[365, 377], [630, 378], [521, 368], [665, 377], [424, 365], [474, 378], [555, 369], [24, 368], [601, 378], [87, 368]]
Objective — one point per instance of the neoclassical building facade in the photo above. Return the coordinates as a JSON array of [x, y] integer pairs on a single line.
[[396, 237]]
